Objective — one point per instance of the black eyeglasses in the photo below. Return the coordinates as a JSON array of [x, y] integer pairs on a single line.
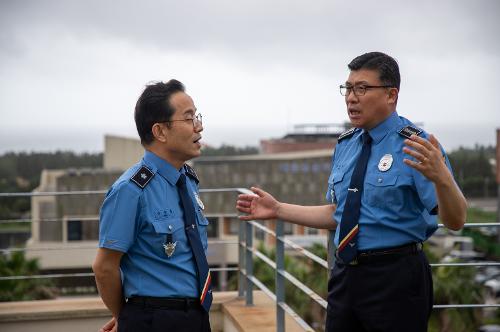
[[359, 90], [197, 120]]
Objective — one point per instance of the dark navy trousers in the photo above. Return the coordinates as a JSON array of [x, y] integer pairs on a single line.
[[135, 318], [385, 296]]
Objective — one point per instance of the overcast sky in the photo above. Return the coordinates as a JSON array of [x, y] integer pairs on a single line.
[[71, 71]]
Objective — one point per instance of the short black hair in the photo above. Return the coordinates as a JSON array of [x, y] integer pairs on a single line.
[[154, 106], [386, 66]]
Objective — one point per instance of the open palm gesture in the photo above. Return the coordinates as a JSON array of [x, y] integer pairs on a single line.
[[259, 206]]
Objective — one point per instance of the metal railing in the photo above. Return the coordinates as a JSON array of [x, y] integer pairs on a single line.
[[247, 281]]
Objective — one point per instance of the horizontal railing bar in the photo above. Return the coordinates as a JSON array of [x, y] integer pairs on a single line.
[[217, 269], [304, 251], [94, 192], [54, 193], [264, 258], [464, 306], [12, 221], [232, 215], [263, 228], [309, 292], [86, 274], [91, 247], [297, 318], [220, 190], [466, 264], [49, 276], [47, 248], [477, 224], [259, 284], [222, 242]]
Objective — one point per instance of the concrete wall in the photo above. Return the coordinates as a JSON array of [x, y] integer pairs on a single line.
[[121, 152]]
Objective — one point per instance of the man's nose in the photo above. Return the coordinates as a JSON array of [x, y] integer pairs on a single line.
[[350, 96]]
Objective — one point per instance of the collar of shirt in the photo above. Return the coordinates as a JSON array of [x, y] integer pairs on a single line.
[[163, 167], [383, 128]]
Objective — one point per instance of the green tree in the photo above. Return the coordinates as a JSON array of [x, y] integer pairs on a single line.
[[22, 290], [455, 285], [473, 171]]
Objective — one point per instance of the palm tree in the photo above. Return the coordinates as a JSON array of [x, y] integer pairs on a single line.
[[22, 290]]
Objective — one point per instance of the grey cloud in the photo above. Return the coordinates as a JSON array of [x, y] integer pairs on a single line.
[[269, 28]]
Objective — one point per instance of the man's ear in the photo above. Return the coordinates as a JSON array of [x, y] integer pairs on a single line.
[[393, 96], [159, 132]]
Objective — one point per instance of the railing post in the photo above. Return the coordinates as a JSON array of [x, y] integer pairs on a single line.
[[331, 251], [280, 279], [241, 258], [249, 263]]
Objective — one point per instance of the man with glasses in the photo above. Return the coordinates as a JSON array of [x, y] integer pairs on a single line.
[[151, 267], [389, 182]]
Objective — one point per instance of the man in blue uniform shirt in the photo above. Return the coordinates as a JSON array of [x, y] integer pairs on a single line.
[[389, 182], [151, 268]]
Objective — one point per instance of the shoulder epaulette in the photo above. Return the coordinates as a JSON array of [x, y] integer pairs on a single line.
[[191, 173], [142, 177], [408, 131], [347, 134]]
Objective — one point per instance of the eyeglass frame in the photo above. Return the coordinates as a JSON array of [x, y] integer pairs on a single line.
[[197, 120], [364, 88]]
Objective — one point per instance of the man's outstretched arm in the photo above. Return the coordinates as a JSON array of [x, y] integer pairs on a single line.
[[262, 206]]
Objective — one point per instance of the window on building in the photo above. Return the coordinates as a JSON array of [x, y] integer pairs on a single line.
[[213, 227], [74, 230], [312, 231], [234, 225]]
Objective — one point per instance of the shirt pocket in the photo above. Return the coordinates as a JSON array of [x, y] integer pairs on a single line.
[[381, 191], [202, 227], [337, 186]]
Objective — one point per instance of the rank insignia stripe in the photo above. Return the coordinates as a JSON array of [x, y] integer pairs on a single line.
[[409, 130], [347, 134], [142, 177], [191, 173]]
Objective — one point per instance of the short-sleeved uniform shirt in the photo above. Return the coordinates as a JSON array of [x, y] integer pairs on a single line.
[[136, 221], [398, 204]]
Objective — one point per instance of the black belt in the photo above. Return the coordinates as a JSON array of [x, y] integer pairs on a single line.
[[381, 255], [171, 303]]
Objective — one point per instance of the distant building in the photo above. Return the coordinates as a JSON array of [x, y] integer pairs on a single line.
[[305, 137], [67, 225]]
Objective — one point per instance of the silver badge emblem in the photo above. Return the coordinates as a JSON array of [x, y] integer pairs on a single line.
[[385, 163], [198, 200], [170, 248]]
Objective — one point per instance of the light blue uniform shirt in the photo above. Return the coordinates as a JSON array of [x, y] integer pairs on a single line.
[[136, 222], [398, 204]]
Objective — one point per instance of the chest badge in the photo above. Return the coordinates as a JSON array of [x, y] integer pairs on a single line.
[[198, 200], [385, 163], [169, 246]]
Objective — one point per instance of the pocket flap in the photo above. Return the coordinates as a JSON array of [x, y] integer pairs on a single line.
[[338, 176], [382, 180], [168, 226], [201, 218]]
